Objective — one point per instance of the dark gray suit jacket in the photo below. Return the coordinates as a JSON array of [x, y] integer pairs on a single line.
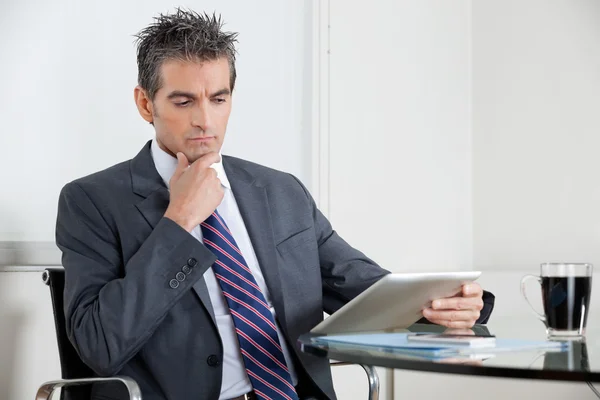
[[125, 315], [120, 255]]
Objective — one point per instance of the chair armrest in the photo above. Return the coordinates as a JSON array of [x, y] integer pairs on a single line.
[[371, 374], [45, 390]]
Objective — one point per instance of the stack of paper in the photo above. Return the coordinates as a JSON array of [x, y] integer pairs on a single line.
[[398, 343]]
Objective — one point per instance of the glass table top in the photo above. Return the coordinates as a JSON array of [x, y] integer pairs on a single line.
[[579, 361]]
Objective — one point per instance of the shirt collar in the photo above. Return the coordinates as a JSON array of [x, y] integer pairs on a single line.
[[166, 165]]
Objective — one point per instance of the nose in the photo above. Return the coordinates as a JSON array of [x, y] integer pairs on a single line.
[[201, 116]]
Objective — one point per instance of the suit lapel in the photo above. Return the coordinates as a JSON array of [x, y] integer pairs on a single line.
[[253, 203], [147, 183]]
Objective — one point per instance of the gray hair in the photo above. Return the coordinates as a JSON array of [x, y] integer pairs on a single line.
[[186, 36]]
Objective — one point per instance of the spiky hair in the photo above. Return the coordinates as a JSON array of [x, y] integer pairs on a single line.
[[184, 35]]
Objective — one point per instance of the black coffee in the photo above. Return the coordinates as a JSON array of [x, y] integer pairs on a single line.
[[566, 301]]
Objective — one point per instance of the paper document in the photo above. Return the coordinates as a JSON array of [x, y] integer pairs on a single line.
[[397, 342]]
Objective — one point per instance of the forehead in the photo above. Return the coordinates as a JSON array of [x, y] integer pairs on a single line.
[[195, 75]]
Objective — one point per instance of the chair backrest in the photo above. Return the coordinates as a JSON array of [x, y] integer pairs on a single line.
[[71, 365]]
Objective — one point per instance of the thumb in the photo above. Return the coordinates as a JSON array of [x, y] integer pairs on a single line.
[[182, 164]]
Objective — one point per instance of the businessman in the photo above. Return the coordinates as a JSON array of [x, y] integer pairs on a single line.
[[195, 273]]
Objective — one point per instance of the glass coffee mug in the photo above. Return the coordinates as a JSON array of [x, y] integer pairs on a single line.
[[566, 291]]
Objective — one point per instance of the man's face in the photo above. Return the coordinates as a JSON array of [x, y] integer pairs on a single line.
[[191, 109]]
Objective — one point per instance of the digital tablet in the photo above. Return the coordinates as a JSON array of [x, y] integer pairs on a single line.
[[394, 302]]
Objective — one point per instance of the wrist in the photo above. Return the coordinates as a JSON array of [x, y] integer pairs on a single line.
[[179, 220]]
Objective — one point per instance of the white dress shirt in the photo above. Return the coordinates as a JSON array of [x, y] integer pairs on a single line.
[[235, 380]]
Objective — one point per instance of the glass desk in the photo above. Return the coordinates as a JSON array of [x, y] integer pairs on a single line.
[[581, 362]]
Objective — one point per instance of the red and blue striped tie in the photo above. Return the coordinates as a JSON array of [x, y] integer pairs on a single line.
[[254, 323]]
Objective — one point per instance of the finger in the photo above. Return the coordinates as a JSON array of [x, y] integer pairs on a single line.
[[207, 160], [472, 289], [211, 172], [458, 303], [451, 315], [182, 164]]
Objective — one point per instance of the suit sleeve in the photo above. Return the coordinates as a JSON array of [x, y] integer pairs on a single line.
[[112, 309], [347, 272]]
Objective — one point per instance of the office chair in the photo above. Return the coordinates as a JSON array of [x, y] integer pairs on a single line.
[[77, 377]]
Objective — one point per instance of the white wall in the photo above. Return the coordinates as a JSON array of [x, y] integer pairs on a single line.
[[67, 109], [536, 132], [400, 145]]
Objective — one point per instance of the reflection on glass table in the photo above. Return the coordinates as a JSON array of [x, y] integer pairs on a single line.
[[576, 360]]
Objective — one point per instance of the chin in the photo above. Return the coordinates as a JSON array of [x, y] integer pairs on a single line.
[[195, 155]]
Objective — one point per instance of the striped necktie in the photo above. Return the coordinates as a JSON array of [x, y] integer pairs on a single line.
[[253, 320]]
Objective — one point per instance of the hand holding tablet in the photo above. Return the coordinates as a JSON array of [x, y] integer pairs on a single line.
[[398, 300], [459, 311]]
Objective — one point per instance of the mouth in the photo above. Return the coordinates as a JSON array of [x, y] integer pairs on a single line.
[[201, 139]]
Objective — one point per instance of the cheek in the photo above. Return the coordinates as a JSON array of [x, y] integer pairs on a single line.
[[174, 123], [222, 117]]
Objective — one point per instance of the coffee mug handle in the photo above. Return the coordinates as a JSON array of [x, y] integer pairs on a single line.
[[539, 280]]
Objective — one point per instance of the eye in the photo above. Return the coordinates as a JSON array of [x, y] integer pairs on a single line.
[[183, 103], [219, 100]]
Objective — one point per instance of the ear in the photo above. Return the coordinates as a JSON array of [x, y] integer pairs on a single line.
[[143, 103]]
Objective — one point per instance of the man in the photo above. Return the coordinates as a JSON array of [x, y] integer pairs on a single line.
[[193, 273]]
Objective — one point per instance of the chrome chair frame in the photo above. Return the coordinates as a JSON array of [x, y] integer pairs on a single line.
[[47, 388], [371, 375]]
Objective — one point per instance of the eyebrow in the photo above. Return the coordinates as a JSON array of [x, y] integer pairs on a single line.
[[222, 92], [189, 95]]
